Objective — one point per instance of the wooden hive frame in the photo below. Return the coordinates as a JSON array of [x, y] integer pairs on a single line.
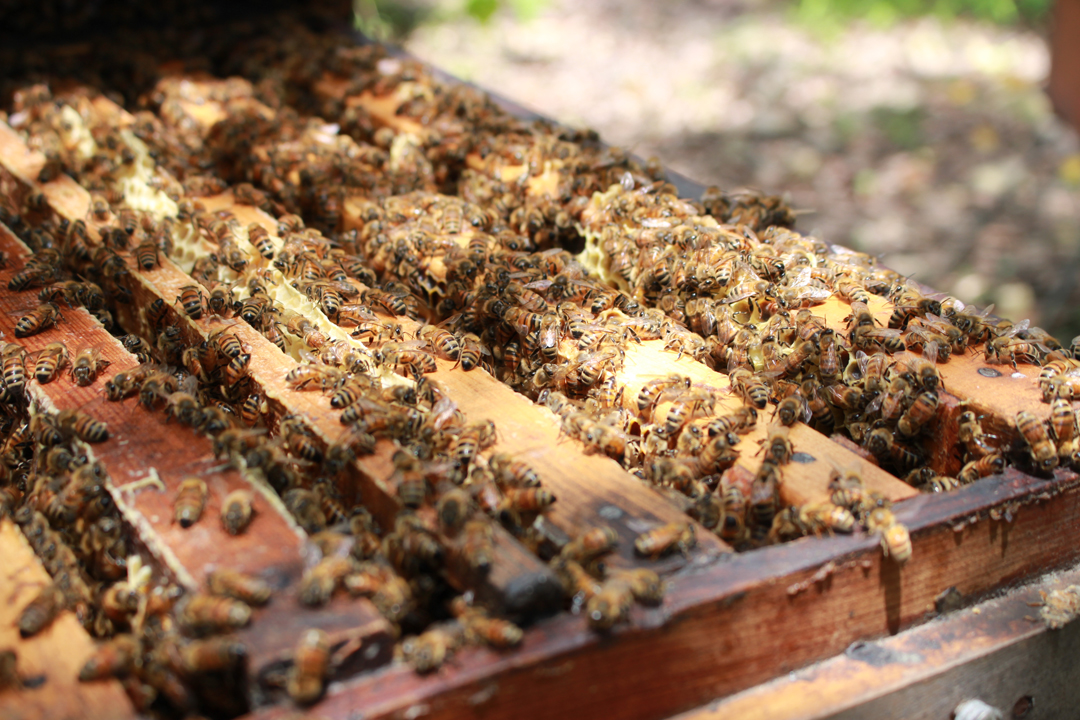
[[728, 621]]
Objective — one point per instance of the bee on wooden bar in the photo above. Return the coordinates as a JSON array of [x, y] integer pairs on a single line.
[[511, 472], [260, 238], [220, 300], [478, 545], [190, 501], [921, 411], [445, 343], [895, 540], [453, 508], [319, 583], [191, 300], [86, 366], [792, 409], [82, 426], [529, 499], [992, 464], [427, 652], [210, 614], [777, 445], [156, 312], [749, 388], [237, 511], [37, 320], [219, 654], [672, 537], [310, 668], [147, 255], [611, 605], [1043, 452], [111, 659], [14, 370], [41, 611]]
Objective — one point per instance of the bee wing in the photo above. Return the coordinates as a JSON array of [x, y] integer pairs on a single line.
[[930, 352], [862, 360], [875, 404]]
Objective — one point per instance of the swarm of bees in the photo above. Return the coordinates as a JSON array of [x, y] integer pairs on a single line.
[[439, 264]]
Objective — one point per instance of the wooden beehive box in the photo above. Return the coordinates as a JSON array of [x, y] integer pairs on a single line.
[[728, 621]]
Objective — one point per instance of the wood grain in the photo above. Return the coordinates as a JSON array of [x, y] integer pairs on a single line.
[[995, 651], [55, 655]]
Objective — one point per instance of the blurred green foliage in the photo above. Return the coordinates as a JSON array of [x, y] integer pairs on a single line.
[[825, 13], [395, 19]]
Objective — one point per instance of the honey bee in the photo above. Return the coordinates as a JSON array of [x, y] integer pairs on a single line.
[[478, 545], [191, 300], [14, 370], [220, 300], [970, 433], [41, 318], [675, 536], [748, 387], [53, 357], [471, 440], [86, 366], [1062, 425], [792, 409], [319, 583], [1043, 452], [992, 464], [765, 495], [918, 414], [147, 255], [238, 585], [41, 611], [495, 632], [82, 426], [310, 668], [590, 544], [645, 585], [416, 360], [253, 409], [609, 606], [777, 445], [511, 472], [218, 654], [453, 509], [260, 238], [445, 343], [895, 539], [825, 517], [428, 651], [190, 501], [941, 483], [471, 352], [156, 312], [111, 659], [210, 614], [236, 511], [306, 509], [236, 368], [883, 445], [125, 384], [529, 499]]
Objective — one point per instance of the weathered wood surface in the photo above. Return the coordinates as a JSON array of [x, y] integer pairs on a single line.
[[996, 651], [49, 662], [141, 442]]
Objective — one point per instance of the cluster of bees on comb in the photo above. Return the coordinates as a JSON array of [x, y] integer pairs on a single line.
[[450, 234]]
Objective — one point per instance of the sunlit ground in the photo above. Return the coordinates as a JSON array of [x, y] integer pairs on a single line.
[[930, 144]]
